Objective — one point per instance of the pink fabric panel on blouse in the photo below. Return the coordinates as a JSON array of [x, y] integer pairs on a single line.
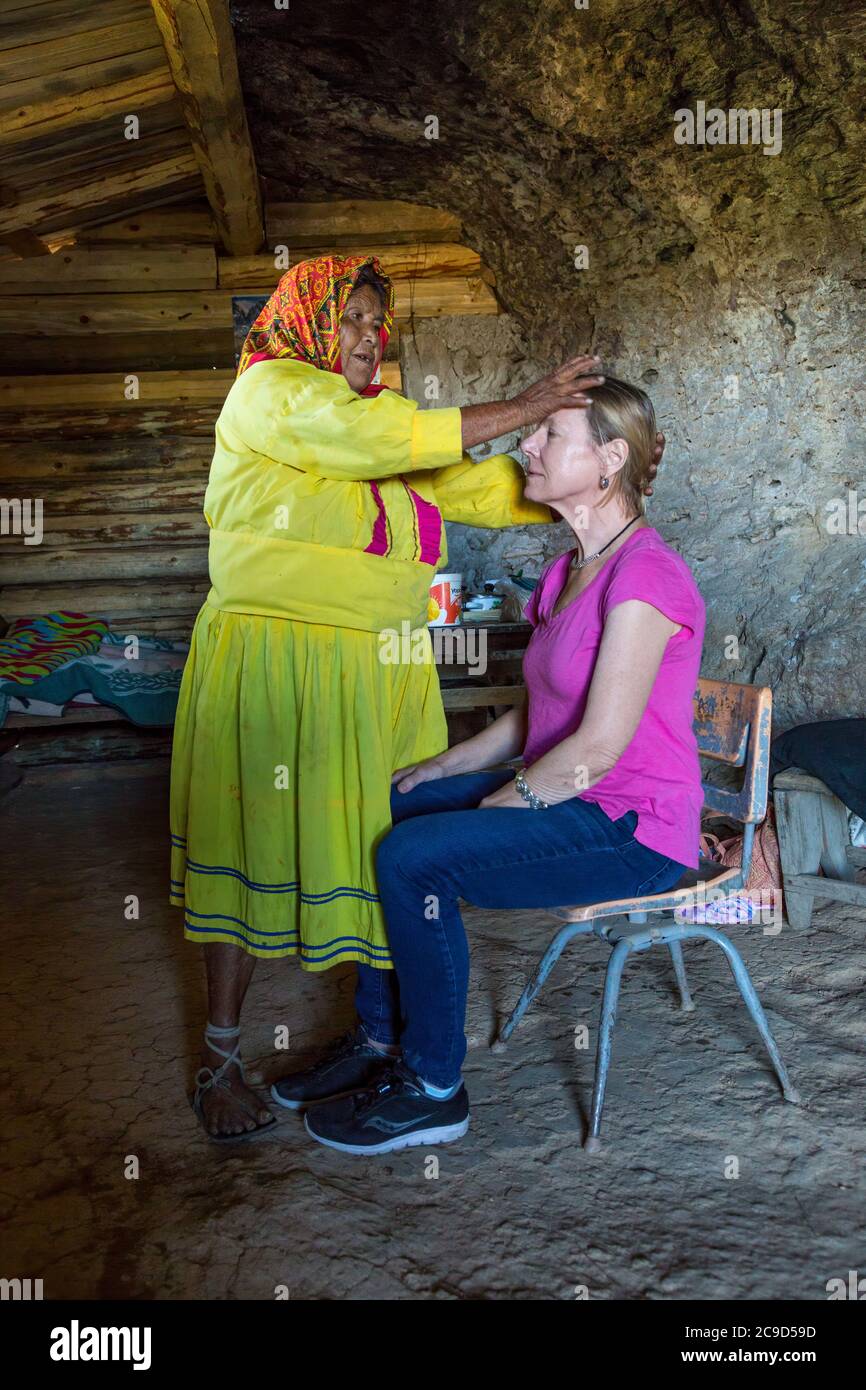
[[379, 544], [429, 528], [659, 774]]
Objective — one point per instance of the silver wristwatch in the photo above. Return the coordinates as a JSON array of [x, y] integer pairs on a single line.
[[521, 786]]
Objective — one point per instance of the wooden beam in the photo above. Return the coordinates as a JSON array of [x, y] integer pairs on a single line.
[[109, 268], [255, 274], [200, 47], [351, 222], [46, 316], [73, 564], [108, 390], [112, 600], [176, 222]]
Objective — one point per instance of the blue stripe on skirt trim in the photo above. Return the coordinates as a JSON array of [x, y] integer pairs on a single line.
[[341, 891], [305, 952]]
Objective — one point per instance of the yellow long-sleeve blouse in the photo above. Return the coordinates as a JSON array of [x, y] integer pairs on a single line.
[[328, 507]]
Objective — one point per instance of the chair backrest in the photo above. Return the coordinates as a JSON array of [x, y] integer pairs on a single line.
[[733, 725]]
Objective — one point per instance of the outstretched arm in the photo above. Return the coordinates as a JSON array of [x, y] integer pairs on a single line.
[[632, 646]]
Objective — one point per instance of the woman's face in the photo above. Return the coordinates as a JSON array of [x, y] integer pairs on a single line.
[[564, 465], [360, 346]]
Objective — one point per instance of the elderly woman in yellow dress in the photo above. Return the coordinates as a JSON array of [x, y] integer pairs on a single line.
[[325, 504]]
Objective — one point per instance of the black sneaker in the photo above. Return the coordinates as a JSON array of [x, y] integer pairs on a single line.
[[395, 1114], [349, 1065]]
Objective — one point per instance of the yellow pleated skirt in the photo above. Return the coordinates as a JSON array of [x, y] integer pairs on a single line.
[[285, 740]]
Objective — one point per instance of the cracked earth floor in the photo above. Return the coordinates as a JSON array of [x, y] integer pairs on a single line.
[[102, 1023]]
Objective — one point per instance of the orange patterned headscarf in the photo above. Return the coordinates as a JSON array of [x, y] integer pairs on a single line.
[[302, 318]]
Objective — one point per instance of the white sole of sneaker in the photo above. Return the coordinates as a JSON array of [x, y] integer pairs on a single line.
[[442, 1134]]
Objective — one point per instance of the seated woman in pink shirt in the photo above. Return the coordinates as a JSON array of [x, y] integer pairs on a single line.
[[608, 801]]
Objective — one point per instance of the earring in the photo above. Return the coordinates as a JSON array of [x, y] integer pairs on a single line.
[[604, 482]]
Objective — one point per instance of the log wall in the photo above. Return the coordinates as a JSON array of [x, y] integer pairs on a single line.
[[116, 353]]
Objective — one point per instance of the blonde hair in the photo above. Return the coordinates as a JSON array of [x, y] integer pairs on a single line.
[[622, 411]]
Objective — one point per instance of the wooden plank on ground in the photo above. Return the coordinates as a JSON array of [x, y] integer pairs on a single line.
[[353, 221], [112, 268], [200, 47]]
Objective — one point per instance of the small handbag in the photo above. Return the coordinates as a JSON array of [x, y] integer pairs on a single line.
[[763, 886]]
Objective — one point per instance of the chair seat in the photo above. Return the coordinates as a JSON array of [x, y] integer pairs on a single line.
[[708, 873]]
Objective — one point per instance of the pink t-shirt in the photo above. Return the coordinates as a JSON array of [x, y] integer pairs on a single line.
[[659, 774]]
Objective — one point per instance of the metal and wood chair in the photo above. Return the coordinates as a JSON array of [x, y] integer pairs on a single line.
[[732, 725]]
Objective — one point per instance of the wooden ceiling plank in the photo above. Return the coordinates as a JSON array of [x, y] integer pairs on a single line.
[[180, 222], [48, 207], [62, 158], [60, 54], [27, 23], [32, 90], [134, 94], [353, 221], [200, 47], [259, 273]]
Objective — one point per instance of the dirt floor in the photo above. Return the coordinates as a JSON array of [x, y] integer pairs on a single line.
[[102, 1021]]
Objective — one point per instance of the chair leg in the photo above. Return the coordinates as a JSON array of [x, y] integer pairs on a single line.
[[545, 965], [753, 1004], [686, 1000], [602, 1060]]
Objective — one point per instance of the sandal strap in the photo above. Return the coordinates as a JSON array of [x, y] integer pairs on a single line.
[[207, 1077]]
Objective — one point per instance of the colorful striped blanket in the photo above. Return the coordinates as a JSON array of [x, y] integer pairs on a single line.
[[34, 647]]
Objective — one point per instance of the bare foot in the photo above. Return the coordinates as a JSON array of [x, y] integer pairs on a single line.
[[223, 1107]]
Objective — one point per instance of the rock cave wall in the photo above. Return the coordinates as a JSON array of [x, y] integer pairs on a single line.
[[728, 282]]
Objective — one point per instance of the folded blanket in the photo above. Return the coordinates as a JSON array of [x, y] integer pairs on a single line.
[[140, 679], [33, 647]]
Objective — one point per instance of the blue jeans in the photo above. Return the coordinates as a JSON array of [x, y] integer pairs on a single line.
[[442, 848]]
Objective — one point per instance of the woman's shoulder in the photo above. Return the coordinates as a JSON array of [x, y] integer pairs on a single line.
[[280, 377], [650, 549], [650, 562]]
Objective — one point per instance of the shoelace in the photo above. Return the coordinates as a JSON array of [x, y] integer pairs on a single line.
[[333, 1049], [394, 1080]]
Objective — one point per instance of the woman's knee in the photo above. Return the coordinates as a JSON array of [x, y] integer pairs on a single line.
[[405, 850]]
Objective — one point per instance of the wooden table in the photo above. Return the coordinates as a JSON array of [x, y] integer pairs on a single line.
[[472, 697]]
